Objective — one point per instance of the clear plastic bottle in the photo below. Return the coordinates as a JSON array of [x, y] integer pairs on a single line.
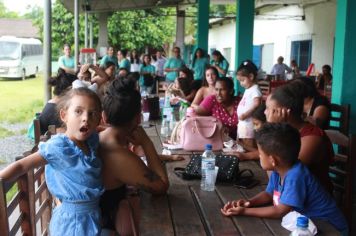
[[165, 127], [207, 169], [302, 227]]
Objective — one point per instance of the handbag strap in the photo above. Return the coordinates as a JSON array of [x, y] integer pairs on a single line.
[[209, 135]]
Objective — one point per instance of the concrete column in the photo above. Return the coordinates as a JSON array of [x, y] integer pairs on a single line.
[[344, 82], [91, 34], [244, 34], [203, 24], [180, 29], [47, 48], [76, 33], [103, 34], [86, 30]]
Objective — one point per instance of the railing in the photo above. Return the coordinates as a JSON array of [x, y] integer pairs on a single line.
[[30, 208]]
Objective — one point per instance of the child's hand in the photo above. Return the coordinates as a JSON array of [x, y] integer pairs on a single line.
[[232, 210]]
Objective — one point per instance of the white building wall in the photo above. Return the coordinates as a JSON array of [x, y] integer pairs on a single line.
[[223, 36], [319, 26]]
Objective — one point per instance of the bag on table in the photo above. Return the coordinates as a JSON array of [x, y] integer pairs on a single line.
[[197, 131], [229, 170]]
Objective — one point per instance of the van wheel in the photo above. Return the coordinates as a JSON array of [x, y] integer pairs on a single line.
[[23, 74]]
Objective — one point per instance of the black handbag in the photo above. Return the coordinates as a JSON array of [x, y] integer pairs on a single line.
[[148, 80], [228, 168]]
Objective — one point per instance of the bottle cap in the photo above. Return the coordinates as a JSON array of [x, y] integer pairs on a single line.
[[208, 147], [302, 221]]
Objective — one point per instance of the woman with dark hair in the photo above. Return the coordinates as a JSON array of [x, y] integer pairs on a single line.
[[121, 167], [109, 57], [135, 61], [316, 107], [123, 62], [199, 64], [220, 63], [222, 105], [49, 114], [147, 75], [285, 104], [325, 78], [208, 86]]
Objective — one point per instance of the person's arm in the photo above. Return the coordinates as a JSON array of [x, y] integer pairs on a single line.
[[101, 77], [205, 107], [198, 97], [131, 170], [274, 212], [248, 113], [20, 167], [167, 67], [273, 71], [310, 146], [287, 68], [320, 116], [224, 67], [261, 198], [190, 97]]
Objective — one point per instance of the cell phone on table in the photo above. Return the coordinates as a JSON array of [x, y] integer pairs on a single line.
[[246, 183]]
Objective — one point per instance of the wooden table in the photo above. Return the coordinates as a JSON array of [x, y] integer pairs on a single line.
[[186, 210]]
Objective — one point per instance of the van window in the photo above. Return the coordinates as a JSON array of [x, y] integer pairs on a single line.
[[9, 50]]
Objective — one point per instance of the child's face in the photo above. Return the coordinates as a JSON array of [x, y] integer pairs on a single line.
[[245, 81], [81, 118], [265, 159], [257, 124], [110, 70]]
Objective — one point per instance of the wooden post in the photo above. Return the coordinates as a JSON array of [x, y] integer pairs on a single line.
[[4, 226], [26, 187]]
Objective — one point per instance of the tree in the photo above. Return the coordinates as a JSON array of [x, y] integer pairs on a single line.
[[139, 29], [5, 13]]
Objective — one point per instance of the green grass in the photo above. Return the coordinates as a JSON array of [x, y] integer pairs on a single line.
[[5, 133], [11, 193], [20, 100]]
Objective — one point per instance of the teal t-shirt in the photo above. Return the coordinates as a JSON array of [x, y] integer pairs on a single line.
[[199, 68], [223, 65], [66, 62], [107, 58], [173, 63], [146, 69], [125, 63]]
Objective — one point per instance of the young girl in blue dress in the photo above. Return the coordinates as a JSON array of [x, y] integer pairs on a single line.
[[73, 172]]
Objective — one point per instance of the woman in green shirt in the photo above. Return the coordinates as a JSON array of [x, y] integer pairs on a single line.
[[220, 63], [66, 62], [147, 75], [199, 64], [172, 65], [122, 60], [109, 57]]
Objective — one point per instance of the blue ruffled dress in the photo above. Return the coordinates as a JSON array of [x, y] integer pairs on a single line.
[[75, 179]]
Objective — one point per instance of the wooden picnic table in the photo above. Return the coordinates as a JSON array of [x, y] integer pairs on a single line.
[[186, 210]]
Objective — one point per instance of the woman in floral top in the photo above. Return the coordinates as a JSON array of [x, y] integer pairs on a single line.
[[222, 105]]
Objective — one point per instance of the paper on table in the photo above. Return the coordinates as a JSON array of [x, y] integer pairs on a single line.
[[172, 146]]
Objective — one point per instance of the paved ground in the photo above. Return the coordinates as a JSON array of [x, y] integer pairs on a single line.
[[13, 146]]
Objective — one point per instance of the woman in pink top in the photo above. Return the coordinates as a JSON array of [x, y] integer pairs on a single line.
[[208, 86], [222, 105]]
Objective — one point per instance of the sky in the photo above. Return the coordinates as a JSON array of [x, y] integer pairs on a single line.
[[19, 6]]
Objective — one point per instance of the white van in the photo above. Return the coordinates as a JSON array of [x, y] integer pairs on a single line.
[[20, 57]]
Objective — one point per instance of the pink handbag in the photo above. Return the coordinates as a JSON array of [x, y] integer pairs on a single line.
[[197, 131]]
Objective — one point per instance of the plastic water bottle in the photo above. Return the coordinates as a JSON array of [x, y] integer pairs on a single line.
[[165, 127], [172, 123], [207, 169], [302, 227]]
